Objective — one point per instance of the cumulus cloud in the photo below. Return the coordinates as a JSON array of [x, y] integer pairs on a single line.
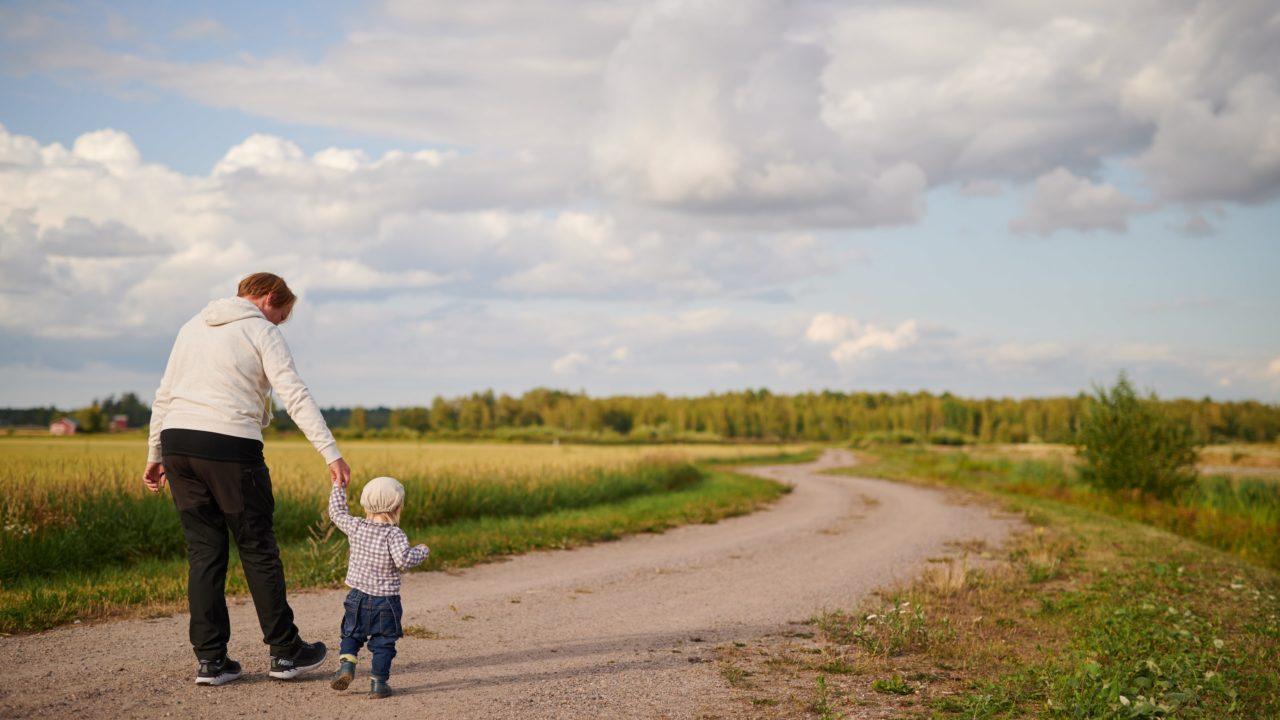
[[79, 237], [768, 113], [828, 329], [98, 225], [1063, 201], [1202, 152], [570, 363], [714, 108], [670, 158], [852, 341]]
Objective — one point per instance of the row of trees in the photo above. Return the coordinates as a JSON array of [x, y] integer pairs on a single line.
[[93, 417], [761, 414], [747, 414]]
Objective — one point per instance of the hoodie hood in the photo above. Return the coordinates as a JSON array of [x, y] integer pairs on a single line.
[[227, 310]]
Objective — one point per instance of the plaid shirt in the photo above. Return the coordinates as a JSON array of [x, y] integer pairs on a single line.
[[379, 552]]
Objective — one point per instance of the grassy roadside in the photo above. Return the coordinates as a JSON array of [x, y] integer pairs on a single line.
[[1238, 514], [151, 586], [1086, 616]]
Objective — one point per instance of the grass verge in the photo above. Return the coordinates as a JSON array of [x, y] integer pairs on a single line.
[[152, 586], [1086, 616], [1238, 514]]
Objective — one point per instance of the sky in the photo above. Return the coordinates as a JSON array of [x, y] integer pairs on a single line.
[[992, 198]]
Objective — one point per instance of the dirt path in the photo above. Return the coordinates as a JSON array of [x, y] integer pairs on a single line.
[[620, 629]]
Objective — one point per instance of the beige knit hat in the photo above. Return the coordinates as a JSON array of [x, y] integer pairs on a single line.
[[382, 495]]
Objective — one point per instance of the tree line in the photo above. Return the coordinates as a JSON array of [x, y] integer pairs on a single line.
[[764, 415], [93, 417], [544, 414]]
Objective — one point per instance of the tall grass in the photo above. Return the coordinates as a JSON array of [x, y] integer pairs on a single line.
[[77, 506], [81, 536], [1240, 515], [73, 528]]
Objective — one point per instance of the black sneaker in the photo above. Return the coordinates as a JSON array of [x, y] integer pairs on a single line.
[[307, 657], [217, 672], [379, 689]]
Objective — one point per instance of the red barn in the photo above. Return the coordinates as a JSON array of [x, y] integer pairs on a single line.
[[63, 426], [118, 423]]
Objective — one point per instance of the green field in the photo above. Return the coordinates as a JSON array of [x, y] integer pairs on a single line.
[[1233, 512], [82, 539], [1111, 607]]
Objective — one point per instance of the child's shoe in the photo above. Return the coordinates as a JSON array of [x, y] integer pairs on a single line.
[[346, 673], [379, 689], [217, 672]]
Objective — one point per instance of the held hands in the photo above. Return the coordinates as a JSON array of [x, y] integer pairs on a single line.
[[339, 472], [420, 546], [153, 477]]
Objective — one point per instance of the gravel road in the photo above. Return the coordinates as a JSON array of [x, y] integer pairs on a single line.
[[620, 630]]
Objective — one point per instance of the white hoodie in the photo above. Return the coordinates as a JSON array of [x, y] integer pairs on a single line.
[[221, 371]]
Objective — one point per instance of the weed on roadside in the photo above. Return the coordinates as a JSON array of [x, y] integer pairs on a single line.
[[893, 685]]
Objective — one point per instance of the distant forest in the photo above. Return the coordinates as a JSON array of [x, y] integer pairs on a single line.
[[544, 414]]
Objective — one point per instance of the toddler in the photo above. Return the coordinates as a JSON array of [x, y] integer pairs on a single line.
[[379, 553]]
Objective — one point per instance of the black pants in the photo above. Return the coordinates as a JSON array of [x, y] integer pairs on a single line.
[[213, 497]]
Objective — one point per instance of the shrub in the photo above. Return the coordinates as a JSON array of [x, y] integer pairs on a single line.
[[947, 436], [1127, 442], [886, 437]]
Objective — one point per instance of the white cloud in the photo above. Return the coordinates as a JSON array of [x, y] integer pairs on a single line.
[[570, 363], [767, 113], [873, 339], [1063, 201], [139, 244], [661, 156], [260, 153], [110, 148], [356, 276], [714, 108], [828, 328], [1273, 368], [79, 237], [853, 341], [1204, 152]]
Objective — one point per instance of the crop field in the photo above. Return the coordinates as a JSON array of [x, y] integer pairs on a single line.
[[82, 538]]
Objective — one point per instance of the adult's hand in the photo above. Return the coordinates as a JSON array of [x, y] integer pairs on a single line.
[[339, 472], [153, 477]]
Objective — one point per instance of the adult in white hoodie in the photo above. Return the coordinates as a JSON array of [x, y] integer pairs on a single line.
[[206, 441]]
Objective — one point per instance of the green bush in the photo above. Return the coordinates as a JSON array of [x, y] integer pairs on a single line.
[[1127, 442], [947, 436], [886, 437]]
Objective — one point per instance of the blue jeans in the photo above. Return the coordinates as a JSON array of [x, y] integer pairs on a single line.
[[375, 620]]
